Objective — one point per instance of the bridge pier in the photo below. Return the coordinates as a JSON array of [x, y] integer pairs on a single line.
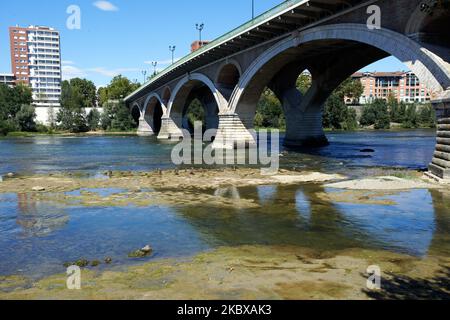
[[440, 166], [305, 129], [235, 130], [170, 129], [144, 129]]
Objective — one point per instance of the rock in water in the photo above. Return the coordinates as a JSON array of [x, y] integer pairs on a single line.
[[38, 189], [368, 150], [108, 260], [10, 175], [147, 249], [141, 253]]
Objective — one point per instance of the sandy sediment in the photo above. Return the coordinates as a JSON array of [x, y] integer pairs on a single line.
[[173, 179], [249, 272], [384, 183]]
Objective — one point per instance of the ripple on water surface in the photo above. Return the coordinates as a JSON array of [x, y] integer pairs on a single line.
[[37, 236]]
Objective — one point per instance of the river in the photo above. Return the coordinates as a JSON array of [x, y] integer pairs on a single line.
[[37, 237]]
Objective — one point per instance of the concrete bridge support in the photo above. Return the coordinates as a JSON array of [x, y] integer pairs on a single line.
[[235, 130], [145, 128], [440, 166], [170, 129]]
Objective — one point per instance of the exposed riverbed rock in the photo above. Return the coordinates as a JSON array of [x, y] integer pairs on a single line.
[[383, 183], [38, 189]]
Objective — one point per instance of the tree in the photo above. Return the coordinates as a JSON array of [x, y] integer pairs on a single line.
[[122, 121], [72, 115], [427, 116], [376, 114], [120, 87], [269, 111], [304, 82], [12, 101], [25, 118], [411, 119], [350, 88], [93, 119], [117, 117], [87, 90], [335, 112], [195, 112], [102, 95]]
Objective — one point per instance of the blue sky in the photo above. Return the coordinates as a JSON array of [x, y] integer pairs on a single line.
[[123, 36]]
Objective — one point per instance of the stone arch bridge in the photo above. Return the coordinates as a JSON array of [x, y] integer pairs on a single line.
[[330, 38]]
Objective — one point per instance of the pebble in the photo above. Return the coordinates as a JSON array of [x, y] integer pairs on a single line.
[[38, 189]]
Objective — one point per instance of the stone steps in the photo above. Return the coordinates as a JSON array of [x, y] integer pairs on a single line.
[[440, 166]]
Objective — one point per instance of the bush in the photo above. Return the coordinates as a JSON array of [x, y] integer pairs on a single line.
[[376, 114], [7, 126], [93, 119], [25, 118]]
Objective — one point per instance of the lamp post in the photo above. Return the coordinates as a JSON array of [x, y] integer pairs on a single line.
[[144, 73], [172, 49], [200, 28], [154, 64], [253, 9]]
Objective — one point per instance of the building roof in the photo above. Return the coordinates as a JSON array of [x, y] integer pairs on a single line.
[[379, 74]]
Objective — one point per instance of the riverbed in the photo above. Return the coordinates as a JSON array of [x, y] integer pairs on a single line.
[[300, 235]]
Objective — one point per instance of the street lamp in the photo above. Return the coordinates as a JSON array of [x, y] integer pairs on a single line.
[[172, 49], [144, 73], [200, 27], [154, 64], [253, 9]]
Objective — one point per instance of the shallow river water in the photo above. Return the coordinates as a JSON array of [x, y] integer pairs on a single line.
[[38, 236]]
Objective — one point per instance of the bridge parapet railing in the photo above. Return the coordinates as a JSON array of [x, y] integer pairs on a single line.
[[268, 15]]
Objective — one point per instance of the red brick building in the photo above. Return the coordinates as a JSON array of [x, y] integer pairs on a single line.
[[405, 86]]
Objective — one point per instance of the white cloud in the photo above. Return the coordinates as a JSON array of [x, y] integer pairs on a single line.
[[111, 72], [67, 62], [105, 6], [70, 72]]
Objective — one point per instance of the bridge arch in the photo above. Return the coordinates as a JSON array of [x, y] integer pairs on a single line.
[[429, 68], [228, 74], [136, 112], [153, 111], [194, 86], [167, 93], [185, 86]]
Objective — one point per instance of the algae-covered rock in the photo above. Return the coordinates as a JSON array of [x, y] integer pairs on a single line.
[[141, 253]]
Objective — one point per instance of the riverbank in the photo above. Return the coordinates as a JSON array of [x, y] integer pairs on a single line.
[[252, 272], [68, 134]]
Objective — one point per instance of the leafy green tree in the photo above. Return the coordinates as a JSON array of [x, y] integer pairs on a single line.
[[412, 118], [427, 116], [376, 114], [269, 110], [87, 90], [304, 82], [122, 119], [195, 112], [334, 112], [72, 114], [119, 88], [102, 95], [93, 119], [117, 117], [350, 88], [25, 118]]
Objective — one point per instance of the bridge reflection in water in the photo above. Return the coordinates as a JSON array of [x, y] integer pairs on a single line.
[[38, 236], [414, 222]]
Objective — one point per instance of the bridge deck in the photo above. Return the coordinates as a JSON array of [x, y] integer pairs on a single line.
[[275, 23]]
